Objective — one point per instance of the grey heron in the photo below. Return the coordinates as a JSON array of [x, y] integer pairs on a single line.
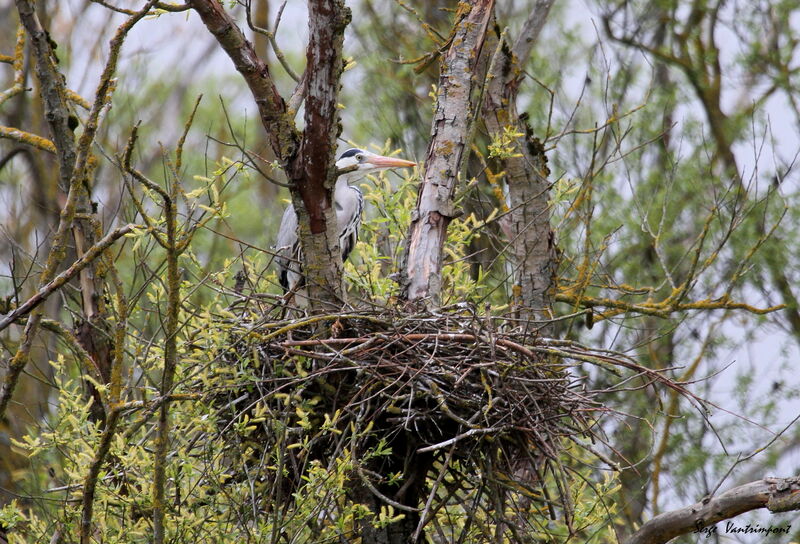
[[349, 203]]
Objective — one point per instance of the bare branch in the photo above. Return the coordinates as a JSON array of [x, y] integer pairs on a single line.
[[52, 91], [271, 37], [529, 34], [174, 8], [72, 160], [775, 494], [90, 483], [17, 62], [283, 136], [298, 95], [48, 289], [28, 138]]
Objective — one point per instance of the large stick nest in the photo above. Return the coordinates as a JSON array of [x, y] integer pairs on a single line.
[[430, 385]]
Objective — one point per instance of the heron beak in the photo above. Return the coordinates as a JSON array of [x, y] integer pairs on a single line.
[[388, 162]]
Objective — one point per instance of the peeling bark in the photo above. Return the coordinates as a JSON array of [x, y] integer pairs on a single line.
[[421, 272], [531, 245], [315, 175], [308, 158]]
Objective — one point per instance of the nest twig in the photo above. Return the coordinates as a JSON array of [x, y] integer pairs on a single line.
[[450, 386]]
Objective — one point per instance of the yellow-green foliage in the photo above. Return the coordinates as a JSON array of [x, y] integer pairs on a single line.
[[382, 240], [229, 439], [593, 499], [504, 144], [206, 476]]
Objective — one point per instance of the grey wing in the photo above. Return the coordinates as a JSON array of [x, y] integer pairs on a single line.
[[348, 216], [287, 249]]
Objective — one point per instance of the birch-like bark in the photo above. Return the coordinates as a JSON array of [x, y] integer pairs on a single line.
[[421, 272], [531, 237], [308, 159]]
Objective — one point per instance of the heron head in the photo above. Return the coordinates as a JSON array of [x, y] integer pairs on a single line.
[[360, 162]]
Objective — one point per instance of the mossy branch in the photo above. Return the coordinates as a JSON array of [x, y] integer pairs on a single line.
[[16, 62], [662, 309], [175, 241], [27, 138], [73, 162]]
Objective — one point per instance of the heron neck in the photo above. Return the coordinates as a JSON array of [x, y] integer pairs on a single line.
[[347, 179]]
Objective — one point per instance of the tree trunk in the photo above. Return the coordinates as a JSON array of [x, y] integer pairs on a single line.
[[421, 271], [313, 173], [414, 467], [531, 237], [308, 158]]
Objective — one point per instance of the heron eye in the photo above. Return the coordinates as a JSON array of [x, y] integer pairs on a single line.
[[359, 157]]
